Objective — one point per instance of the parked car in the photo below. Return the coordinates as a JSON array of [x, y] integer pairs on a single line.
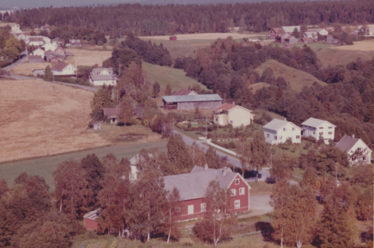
[[270, 180]]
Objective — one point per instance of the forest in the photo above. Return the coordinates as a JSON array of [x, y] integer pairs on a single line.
[[173, 19]]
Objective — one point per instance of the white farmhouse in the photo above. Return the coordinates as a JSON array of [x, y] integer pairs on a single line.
[[103, 76], [318, 129], [35, 41], [357, 151], [39, 52], [279, 131], [231, 114], [63, 69]]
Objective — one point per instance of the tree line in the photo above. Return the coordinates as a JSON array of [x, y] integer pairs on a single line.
[[139, 19]]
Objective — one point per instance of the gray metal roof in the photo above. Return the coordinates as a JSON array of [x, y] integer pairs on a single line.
[[194, 185], [277, 124], [314, 122], [192, 98], [346, 143]]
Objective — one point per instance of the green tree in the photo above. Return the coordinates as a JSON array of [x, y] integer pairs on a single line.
[[178, 153], [101, 99], [168, 90], [156, 89], [48, 74], [258, 152], [364, 205], [126, 113]]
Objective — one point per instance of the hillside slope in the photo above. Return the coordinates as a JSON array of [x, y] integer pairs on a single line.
[[297, 79]]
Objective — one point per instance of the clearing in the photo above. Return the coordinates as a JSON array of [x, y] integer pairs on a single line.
[[365, 45], [41, 119], [296, 79], [88, 57], [27, 68], [164, 75], [187, 45]]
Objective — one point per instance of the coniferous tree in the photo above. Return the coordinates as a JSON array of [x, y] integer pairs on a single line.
[[177, 153]]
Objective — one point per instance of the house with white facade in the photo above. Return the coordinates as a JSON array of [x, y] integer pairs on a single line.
[[279, 131], [318, 129], [39, 52], [103, 76], [63, 69], [357, 151], [231, 114]]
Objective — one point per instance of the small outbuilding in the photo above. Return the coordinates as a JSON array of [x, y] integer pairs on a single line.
[[231, 114], [191, 102]]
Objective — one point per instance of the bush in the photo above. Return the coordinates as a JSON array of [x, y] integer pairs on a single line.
[[204, 230]]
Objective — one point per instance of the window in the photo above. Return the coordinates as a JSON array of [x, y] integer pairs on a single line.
[[237, 181], [241, 191], [297, 136], [293, 129], [314, 132], [237, 204], [330, 132], [203, 207], [233, 192], [330, 127], [320, 127], [190, 209], [267, 135], [284, 129]]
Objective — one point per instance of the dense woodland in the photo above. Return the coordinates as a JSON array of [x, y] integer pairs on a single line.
[[170, 19], [227, 67]]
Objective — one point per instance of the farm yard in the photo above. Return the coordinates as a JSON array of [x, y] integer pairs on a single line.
[[41, 119], [88, 57]]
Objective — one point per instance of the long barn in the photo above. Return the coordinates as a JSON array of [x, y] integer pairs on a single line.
[[191, 102]]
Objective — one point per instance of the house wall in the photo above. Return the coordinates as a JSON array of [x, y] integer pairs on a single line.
[[38, 52], [221, 119], [239, 116], [90, 225], [200, 105], [103, 82], [67, 71], [367, 153], [283, 134], [325, 131]]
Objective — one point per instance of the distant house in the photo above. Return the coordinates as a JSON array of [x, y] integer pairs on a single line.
[[74, 43], [290, 29], [313, 34], [192, 189], [357, 151], [103, 76], [318, 129], [184, 92], [39, 52], [173, 37], [35, 41], [63, 69], [276, 33], [191, 102], [35, 59], [279, 131], [231, 114], [45, 28], [111, 114], [90, 220]]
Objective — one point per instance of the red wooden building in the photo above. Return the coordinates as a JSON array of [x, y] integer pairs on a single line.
[[192, 188]]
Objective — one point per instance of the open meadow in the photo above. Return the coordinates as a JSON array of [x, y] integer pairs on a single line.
[[27, 68], [88, 57], [40, 119]]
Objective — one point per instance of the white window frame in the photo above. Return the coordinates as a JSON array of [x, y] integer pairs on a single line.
[[190, 209], [203, 207], [237, 204], [233, 192], [241, 191]]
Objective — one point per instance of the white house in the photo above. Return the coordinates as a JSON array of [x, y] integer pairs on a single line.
[[358, 152], [103, 76], [318, 129], [290, 29], [279, 131], [63, 69], [35, 41], [39, 52], [231, 114]]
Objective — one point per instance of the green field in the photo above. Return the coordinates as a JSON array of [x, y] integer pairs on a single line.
[[45, 166], [164, 75]]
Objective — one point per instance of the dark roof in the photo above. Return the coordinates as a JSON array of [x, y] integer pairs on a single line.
[[192, 98], [59, 66], [193, 185], [346, 143], [111, 112]]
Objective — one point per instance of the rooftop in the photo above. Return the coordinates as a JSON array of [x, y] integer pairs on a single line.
[[192, 98], [277, 124], [225, 106], [346, 143], [314, 122], [102, 74], [193, 185]]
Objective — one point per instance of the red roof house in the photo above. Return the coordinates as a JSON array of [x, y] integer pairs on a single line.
[[192, 188], [90, 220]]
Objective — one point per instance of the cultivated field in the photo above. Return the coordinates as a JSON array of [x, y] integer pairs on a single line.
[[88, 57], [27, 68], [297, 79], [365, 45], [39, 119], [164, 75]]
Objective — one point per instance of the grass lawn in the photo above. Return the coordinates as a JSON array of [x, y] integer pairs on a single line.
[[164, 75], [45, 166]]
